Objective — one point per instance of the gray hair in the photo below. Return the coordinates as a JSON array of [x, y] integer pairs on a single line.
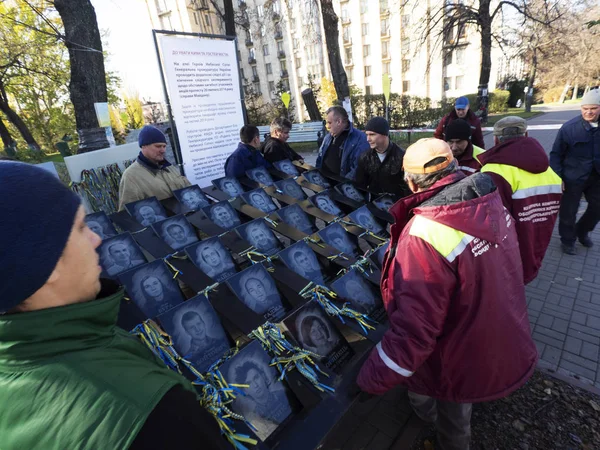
[[339, 112], [511, 133], [280, 124], [426, 180]]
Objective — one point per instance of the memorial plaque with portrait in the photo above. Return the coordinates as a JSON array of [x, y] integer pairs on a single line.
[[152, 288], [324, 202], [260, 200], [363, 217], [294, 216], [260, 175], [360, 293], [256, 289], [301, 259], [384, 203], [336, 236], [349, 190], [258, 234], [197, 333], [313, 330], [147, 211], [100, 224], [191, 198], [230, 185], [176, 231], [286, 166], [267, 402], [291, 188], [223, 215], [315, 177], [212, 258], [378, 255], [119, 254]]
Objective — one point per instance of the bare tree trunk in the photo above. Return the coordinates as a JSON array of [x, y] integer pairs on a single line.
[[564, 92], [486, 58], [7, 139], [16, 120], [529, 98], [330, 24], [575, 89], [88, 77]]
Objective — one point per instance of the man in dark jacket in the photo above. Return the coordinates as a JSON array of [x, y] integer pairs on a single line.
[[275, 148], [461, 110], [380, 168], [448, 344], [83, 382], [529, 188], [246, 156], [458, 137], [575, 157], [343, 145]]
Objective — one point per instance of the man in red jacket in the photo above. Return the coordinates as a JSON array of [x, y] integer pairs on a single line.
[[452, 285], [461, 111], [529, 188]]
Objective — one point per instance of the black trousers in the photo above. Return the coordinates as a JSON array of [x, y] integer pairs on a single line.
[[567, 228]]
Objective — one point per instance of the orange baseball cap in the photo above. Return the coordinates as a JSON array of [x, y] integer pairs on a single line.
[[419, 154]]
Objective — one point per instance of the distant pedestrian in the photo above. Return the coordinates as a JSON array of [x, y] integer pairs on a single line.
[[275, 147], [458, 136], [529, 188], [380, 167], [454, 293], [246, 156], [575, 157], [461, 110], [342, 146]]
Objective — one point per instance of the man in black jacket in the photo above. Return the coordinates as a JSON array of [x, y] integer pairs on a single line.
[[380, 167], [275, 148]]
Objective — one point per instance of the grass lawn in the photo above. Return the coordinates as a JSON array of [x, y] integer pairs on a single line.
[[520, 112], [405, 139], [54, 157], [304, 147]]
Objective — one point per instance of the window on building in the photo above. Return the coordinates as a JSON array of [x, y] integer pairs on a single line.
[[254, 71], [276, 7], [386, 67], [196, 18], [161, 6], [269, 68], [278, 28], [251, 53], [346, 33], [296, 43], [345, 15], [385, 27], [165, 22], [280, 46], [348, 55], [298, 63], [385, 49], [271, 86], [263, 31], [447, 83], [283, 64], [207, 21], [364, 6], [405, 44], [462, 31], [293, 23], [265, 50], [366, 50], [405, 65], [239, 55], [405, 86], [368, 90], [448, 59], [350, 75], [365, 29], [367, 71], [260, 11], [242, 74], [460, 56], [460, 81], [383, 5], [405, 20]]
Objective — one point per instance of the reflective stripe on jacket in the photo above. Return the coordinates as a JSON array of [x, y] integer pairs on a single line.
[[468, 163]]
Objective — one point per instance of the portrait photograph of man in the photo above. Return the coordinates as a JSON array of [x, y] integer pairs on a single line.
[[354, 288], [326, 204], [336, 236], [100, 224], [256, 289], [363, 217], [349, 190], [291, 188], [267, 402], [302, 260], [231, 186], [384, 203], [197, 333], [223, 215], [258, 234], [191, 197], [378, 255], [212, 258], [294, 216], [315, 177], [147, 211], [260, 199], [260, 175], [286, 166], [119, 254], [176, 231], [152, 288]]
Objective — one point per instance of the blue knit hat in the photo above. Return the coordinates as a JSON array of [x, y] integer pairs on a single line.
[[38, 215], [151, 135]]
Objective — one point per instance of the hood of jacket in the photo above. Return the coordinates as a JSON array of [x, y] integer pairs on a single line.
[[524, 153]]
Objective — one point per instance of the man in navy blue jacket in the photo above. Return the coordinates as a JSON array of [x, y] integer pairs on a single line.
[[575, 157], [246, 156], [342, 146]]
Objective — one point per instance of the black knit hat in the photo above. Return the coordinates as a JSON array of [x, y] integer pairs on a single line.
[[458, 129], [378, 125]]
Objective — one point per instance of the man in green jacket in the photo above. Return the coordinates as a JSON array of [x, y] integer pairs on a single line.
[[70, 378]]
